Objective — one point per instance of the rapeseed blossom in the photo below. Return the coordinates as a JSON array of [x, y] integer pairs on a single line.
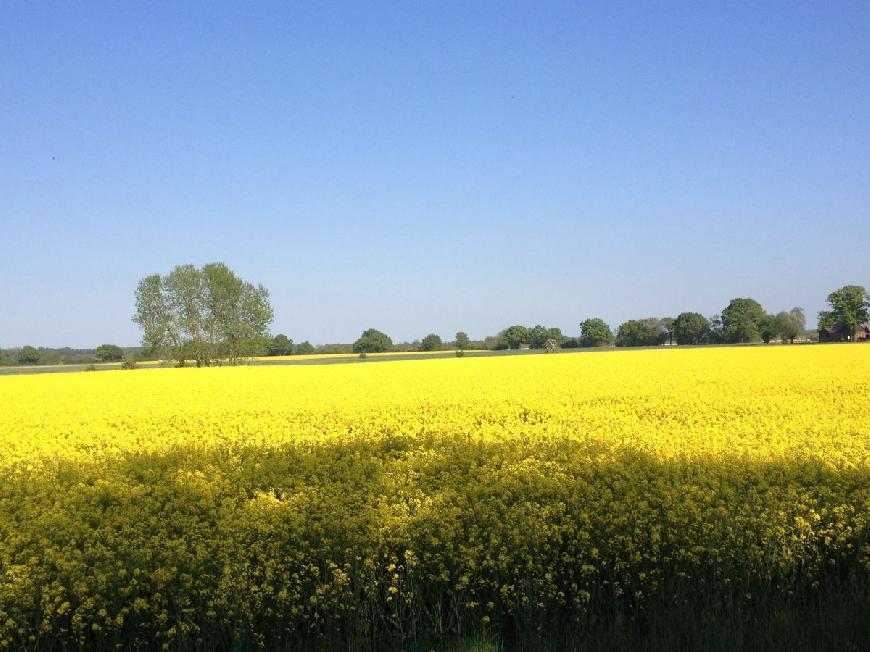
[[265, 503]]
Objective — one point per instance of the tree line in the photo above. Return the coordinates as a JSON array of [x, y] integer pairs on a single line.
[[208, 315], [742, 321], [31, 355]]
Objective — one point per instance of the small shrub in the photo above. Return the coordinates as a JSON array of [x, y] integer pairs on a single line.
[[460, 353], [129, 362], [362, 355], [90, 367]]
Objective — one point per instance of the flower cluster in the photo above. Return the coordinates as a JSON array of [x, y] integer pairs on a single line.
[[251, 506]]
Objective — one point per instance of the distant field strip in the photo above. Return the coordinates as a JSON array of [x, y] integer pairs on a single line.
[[304, 359]]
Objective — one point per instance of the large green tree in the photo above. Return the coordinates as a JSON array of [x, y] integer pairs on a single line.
[[372, 341], [849, 306], [462, 340], [768, 328], [238, 314], [690, 328], [203, 314], [280, 345], [28, 355], [640, 332], [790, 324], [109, 352], [595, 332], [305, 348], [538, 336], [555, 333], [515, 335], [742, 320], [431, 342]]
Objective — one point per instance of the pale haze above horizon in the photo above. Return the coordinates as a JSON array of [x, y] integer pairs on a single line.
[[431, 168]]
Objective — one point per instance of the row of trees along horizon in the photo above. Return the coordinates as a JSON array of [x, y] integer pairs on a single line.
[[209, 315]]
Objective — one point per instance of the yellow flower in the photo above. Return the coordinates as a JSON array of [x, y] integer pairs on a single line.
[[176, 499]]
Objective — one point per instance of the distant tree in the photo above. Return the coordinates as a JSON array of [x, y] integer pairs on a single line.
[[790, 324], [555, 333], [108, 353], [667, 332], [639, 332], [238, 313], [595, 332], [462, 341], [156, 318], [431, 342], [49, 356], [514, 336], [28, 355], [372, 341], [849, 306], [716, 335], [768, 328], [628, 333], [331, 348], [799, 318], [280, 345], [202, 314], [657, 326], [494, 342], [690, 328], [538, 336], [741, 320], [551, 345], [305, 348]]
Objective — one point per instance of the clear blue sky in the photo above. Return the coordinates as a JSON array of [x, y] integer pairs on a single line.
[[435, 166]]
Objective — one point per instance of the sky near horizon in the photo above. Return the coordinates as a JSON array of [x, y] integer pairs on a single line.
[[431, 167]]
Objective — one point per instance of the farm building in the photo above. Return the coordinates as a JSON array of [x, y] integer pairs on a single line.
[[839, 333]]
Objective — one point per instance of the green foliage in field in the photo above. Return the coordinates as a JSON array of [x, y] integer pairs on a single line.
[[280, 345], [595, 332], [850, 305], [28, 355], [431, 342], [203, 314], [372, 341], [305, 348], [108, 353], [742, 321], [641, 332], [691, 328]]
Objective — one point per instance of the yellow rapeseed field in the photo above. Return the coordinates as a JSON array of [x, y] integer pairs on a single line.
[[253, 505]]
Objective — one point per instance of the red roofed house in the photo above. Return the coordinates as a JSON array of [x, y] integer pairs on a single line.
[[839, 333]]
